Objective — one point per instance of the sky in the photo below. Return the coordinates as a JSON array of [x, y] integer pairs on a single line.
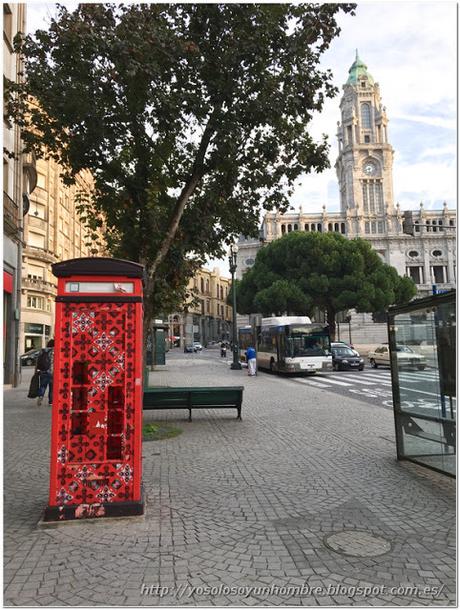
[[410, 49]]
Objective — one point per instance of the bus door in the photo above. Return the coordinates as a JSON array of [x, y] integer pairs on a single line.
[[281, 348]]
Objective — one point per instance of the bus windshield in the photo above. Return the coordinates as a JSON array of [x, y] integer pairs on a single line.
[[307, 342]]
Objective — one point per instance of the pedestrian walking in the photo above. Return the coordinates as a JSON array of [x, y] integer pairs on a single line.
[[44, 367], [223, 350], [252, 361]]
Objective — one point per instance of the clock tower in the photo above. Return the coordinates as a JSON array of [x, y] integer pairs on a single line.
[[365, 162]]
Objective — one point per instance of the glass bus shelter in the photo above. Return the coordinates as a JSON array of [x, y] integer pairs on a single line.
[[423, 370]]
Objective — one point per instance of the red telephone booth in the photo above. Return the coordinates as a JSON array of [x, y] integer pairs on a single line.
[[97, 395]]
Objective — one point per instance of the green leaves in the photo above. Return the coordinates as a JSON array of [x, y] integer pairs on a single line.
[[211, 101], [325, 270]]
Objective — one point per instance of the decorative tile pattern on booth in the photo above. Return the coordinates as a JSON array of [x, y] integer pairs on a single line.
[[95, 399]]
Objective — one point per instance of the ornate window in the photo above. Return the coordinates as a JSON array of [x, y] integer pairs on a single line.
[[365, 198], [413, 253], [365, 116], [437, 253]]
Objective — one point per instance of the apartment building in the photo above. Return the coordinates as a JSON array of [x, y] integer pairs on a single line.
[[19, 179], [209, 318], [53, 232]]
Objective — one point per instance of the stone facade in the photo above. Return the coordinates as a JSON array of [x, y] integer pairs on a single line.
[[53, 232], [19, 179], [211, 318], [367, 209]]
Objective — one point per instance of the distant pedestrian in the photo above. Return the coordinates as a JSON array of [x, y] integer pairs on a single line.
[[252, 361], [44, 366], [223, 350]]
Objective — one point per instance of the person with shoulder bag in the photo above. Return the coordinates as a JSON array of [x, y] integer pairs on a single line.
[[44, 366]]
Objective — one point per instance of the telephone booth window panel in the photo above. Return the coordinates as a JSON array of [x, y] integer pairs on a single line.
[[97, 417]]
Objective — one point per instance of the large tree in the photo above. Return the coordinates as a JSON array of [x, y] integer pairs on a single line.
[[191, 118], [303, 271]]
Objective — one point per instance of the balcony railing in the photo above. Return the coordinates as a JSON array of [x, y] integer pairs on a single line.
[[10, 216], [38, 285]]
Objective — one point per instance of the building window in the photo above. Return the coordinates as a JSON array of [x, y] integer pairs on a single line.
[[378, 196], [41, 180], [413, 253], [283, 229], [35, 302], [349, 135], [313, 228], [202, 284], [416, 226], [367, 139], [366, 227], [451, 223], [296, 227], [438, 274], [416, 274], [307, 227], [207, 307], [365, 198], [289, 227], [329, 226], [380, 226], [437, 253], [8, 23], [342, 228], [365, 116], [319, 227]]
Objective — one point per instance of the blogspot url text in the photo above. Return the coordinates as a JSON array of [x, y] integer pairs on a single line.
[[187, 591]]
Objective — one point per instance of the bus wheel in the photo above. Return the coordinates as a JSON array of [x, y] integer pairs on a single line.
[[272, 366]]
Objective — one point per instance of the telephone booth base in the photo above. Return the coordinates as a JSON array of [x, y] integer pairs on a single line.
[[80, 512]]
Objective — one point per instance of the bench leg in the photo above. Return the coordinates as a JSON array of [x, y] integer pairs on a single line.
[[239, 413], [190, 415]]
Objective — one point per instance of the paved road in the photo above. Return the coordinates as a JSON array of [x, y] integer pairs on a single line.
[[419, 389], [305, 491]]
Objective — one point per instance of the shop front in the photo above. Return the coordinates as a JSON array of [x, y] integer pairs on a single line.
[[36, 335]]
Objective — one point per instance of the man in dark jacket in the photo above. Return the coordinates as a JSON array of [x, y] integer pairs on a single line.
[[44, 366]]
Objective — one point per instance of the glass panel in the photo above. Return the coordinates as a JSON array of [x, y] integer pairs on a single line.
[[94, 287], [424, 375], [307, 342], [80, 373]]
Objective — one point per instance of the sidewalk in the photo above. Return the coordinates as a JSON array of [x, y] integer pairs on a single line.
[[239, 513]]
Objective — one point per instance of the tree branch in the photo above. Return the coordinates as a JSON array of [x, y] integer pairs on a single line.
[[186, 193]]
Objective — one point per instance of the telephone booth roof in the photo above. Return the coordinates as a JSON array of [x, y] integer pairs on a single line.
[[98, 266]]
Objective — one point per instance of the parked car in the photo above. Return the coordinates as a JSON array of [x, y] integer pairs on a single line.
[[197, 346], [189, 349], [345, 359], [347, 345], [30, 357], [407, 358]]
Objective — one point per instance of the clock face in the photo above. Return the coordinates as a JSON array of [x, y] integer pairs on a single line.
[[370, 169]]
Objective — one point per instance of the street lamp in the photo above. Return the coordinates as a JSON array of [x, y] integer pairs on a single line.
[[236, 365]]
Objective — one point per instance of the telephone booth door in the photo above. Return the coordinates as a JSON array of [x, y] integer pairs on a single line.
[[97, 399]]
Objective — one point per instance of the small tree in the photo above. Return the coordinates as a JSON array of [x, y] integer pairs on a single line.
[[191, 118], [301, 271]]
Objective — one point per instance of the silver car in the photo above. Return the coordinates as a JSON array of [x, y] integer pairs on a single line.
[[407, 358]]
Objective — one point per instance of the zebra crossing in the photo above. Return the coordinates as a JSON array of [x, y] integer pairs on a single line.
[[418, 388]]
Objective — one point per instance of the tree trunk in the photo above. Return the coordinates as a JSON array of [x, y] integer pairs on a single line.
[[331, 322]]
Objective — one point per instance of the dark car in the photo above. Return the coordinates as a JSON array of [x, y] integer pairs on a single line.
[[30, 357], [345, 359]]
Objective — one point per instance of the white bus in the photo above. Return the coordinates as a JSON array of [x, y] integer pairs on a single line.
[[293, 344]]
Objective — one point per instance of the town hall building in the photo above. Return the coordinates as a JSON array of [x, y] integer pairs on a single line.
[[364, 169]]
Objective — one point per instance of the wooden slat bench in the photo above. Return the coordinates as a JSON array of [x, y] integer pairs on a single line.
[[194, 398]]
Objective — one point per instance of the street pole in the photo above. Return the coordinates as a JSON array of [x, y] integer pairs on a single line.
[[236, 365]]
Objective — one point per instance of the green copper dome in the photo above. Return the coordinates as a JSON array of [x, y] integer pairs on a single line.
[[357, 70]]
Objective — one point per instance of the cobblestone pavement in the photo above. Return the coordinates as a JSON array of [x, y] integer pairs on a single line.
[[300, 503]]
